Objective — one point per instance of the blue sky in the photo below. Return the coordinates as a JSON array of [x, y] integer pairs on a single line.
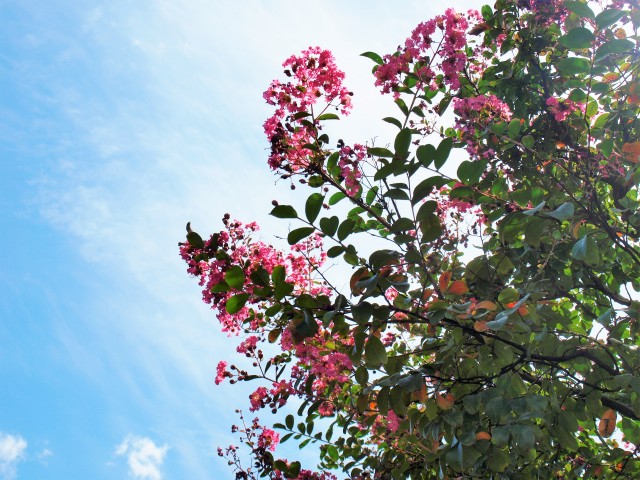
[[119, 122]]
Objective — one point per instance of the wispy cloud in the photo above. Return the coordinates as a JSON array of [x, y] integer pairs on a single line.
[[12, 452], [144, 457], [44, 455]]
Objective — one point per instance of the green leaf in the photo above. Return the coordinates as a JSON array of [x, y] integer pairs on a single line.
[[195, 240], [235, 303], [380, 258], [402, 142], [442, 152], [313, 206], [499, 435], [426, 209], [430, 228], [294, 470], [328, 116], [498, 128], [469, 172], [335, 251], [396, 194], [578, 95], [580, 9], [279, 274], [563, 212], [332, 451], [528, 141], [329, 226], [601, 121], [425, 187], [498, 460], [615, 46], [402, 225], [374, 352], [608, 17], [300, 115], [289, 421], [371, 195], [284, 211], [308, 327], [345, 229], [373, 56], [336, 197], [298, 234], [606, 147], [426, 154], [508, 295], [513, 130], [586, 250], [361, 312], [380, 152], [235, 277], [393, 121], [577, 38], [332, 164], [574, 66], [402, 106], [220, 287]]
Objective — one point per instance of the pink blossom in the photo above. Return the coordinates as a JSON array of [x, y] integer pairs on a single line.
[[393, 422], [268, 439], [248, 346], [426, 55], [314, 78], [561, 109], [350, 158], [281, 391], [259, 399], [221, 372], [235, 246], [474, 116], [326, 409]]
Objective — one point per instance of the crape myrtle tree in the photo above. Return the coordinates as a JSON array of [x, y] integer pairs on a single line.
[[489, 328]]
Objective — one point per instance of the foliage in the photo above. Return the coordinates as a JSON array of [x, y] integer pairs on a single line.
[[514, 359]]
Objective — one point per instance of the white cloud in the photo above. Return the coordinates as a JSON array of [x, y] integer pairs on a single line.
[[12, 448], [44, 455], [144, 457]]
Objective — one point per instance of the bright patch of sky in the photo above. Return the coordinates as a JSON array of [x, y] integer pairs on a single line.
[[119, 122]]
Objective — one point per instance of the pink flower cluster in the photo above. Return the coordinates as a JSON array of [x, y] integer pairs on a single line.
[[221, 372], [474, 116], [314, 78], [330, 369], [561, 109], [307, 475], [350, 158], [234, 247], [421, 49], [267, 439], [248, 346], [276, 397]]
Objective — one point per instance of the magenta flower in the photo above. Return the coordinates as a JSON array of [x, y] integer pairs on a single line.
[[221, 372]]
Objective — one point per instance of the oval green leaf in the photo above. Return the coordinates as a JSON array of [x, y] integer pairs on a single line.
[[298, 234], [235, 303], [284, 211], [313, 206], [235, 277]]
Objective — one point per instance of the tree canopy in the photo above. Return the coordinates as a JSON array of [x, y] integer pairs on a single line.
[[489, 328]]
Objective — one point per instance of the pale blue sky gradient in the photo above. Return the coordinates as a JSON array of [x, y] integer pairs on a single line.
[[119, 122]]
